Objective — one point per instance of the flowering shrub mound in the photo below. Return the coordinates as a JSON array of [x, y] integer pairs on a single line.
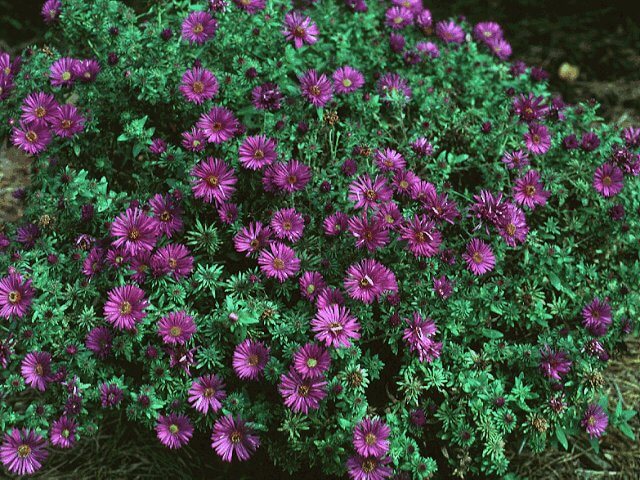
[[348, 234]]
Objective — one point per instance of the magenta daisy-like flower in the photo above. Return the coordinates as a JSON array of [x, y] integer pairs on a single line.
[[369, 468], [515, 159], [479, 257], [311, 285], [278, 261], [287, 224], [66, 121], [166, 214], [15, 295], [253, 238], [94, 262], [86, 70], [404, 181], [368, 280], [367, 193], [135, 231], [51, 11], [347, 80], [335, 326], [390, 215], [198, 85], [233, 436], [176, 328], [500, 48], [421, 235], [335, 224], [595, 420], [290, 177], [38, 107], [513, 225], [99, 341], [300, 29], [23, 451], [173, 259], [369, 232], [329, 296], [530, 108], [529, 190], [249, 359], [316, 88], [597, 317], [31, 138], [206, 393], [419, 336], [110, 395], [389, 160], [439, 207], [311, 361], [63, 432], [487, 31], [449, 32], [266, 97], [174, 430], [125, 307], [443, 287], [554, 364], [257, 152], [199, 27], [608, 180], [371, 438], [214, 180], [392, 84], [251, 6], [36, 370], [537, 139], [398, 17], [194, 140], [219, 124], [61, 72], [302, 394]]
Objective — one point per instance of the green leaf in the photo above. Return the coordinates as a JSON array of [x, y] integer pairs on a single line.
[[562, 438]]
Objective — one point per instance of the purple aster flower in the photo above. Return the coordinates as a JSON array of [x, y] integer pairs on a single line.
[[398, 17], [219, 124], [287, 224], [233, 436], [369, 232], [449, 32], [302, 394], [194, 140], [329, 296], [311, 361], [554, 364], [392, 84], [516, 159], [335, 224], [158, 146], [290, 177], [125, 307], [198, 85], [38, 108], [439, 207], [134, 231], [597, 317], [63, 432], [442, 286], [23, 451], [421, 147], [228, 213], [166, 214], [590, 141], [86, 70], [530, 108], [368, 468], [316, 88], [479, 257], [300, 29], [631, 137], [251, 6], [110, 395], [31, 138], [397, 42], [180, 356], [311, 285], [570, 142], [253, 238], [529, 190], [390, 216], [15, 295], [422, 238], [389, 160], [51, 11], [6, 351], [214, 181], [207, 392], [371, 438], [94, 262], [278, 261], [61, 72], [27, 235], [595, 420], [266, 97], [118, 257], [429, 49], [537, 139], [249, 359], [6, 84], [99, 341], [368, 280], [257, 152], [176, 328], [608, 180], [419, 336], [347, 79], [367, 193], [199, 27], [424, 21], [404, 182], [66, 121], [487, 31], [488, 207], [36, 370], [173, 259], [174, 430], [335, 326], [513, 225]]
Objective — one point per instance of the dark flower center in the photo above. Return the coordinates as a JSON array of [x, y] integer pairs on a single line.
[[31, 136], [39, 369], [511, 229], [175, 331], [254, 244], [14, 296], [259, 154], [535, 138], [477, 257], [287, 226], [299, 32], [41, 112], [369, 465], [370, 439], [208, 392], [335, 327], [235, 437], [165, 216], [66, 124], [125, 308], [370, 194], [607, 181], [173, 263], [254, 360], [292, 179], [530, 190], [213, 181], [24, 451], [278, 264], [315, 90], [404, 184], [303, 390], [198, 87], [134, 234], [198, 28], [216, 126]]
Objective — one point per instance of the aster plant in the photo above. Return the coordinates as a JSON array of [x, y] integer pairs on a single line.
[[343, 236]]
